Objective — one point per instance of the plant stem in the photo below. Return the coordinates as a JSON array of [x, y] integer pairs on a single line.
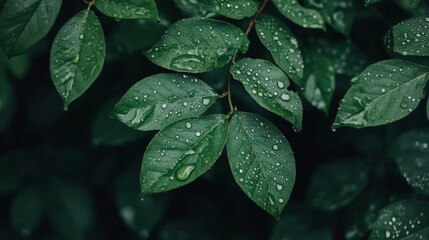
[[90, 3]]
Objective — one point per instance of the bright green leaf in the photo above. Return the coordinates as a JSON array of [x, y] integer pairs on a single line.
[[77, 55], [23, 23], [336, 184], [410, 37], [319, 80], [128, 9], [411, 154], [197, 45], [26, 210], [181, 152], [384, 92], [195, 8], [304, 17], [159, 100], [404, 220], [268, 84], [261, 161], [236, 9], [282, 44]]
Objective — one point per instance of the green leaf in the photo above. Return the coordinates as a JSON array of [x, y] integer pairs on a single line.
[[304, 17], [195, 8], [282, 44], [369, 2], [181, 152], [261, 161], [335, 184], [26, 210], [13, 168], [159, 100], [408, 5], [411, 154], [427, 109], [384, 92], [407, 220], [319, 80], [268, 84], [410, 37], [77, 55], [236, 9], [23, 23], [128, 9], [197, 45]]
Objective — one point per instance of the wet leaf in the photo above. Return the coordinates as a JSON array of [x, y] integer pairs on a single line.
[[335, 184], [407, 219], [236, 9], [26, 210], [304, 17], [411, 154], [369, 2], [408, 5], [159, 100], [195, 8], [181, 152], [268, 84], [23, 23], [197, 45], [282, 44], [384, 92], [410, 37], [261, 161], [77, 55], [128, 9]]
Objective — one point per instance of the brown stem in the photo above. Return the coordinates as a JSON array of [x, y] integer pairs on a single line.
[[90, 3]]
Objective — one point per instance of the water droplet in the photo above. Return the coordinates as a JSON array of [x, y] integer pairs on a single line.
[[281, 200], [184, 172], [279, 187], [383, 90], [81, 36], [280, 84], [163, 105], [206, 101], [285, 97], [387, 234], [198, 134], [275, 147], [188, 125]]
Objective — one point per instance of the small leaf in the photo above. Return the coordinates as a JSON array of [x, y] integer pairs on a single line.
[[195, 8], [26, 211], [159, 100], [384, 92], [197, 45], [304, 17], [77, 55], [23, 23], [181, 152], [319, 80], [261, 161], [268, 84], [128, 9], [282, 44], [402, 220], [236, 9], [411, 154], [410, 37], [336, 184]]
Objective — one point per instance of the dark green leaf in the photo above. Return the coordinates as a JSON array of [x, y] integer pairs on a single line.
[[181, 152], [197, 45], [13, 167], [5, 101], [410, 37], [195, 8], [26, 210], [128, 9], [304, 17], [23, 23], [336, 184], [236, 9], [268, 84], [77, 55], [159, 100], [408, 5], [261, 161], [384, 92], [319, 80], [369, 2], [279, 40], [411, 154], [407, 220], [427, 109]]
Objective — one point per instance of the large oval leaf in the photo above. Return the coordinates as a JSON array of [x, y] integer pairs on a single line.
[[410, 37], [128, 9], [23, 23], [77, 55], [197, 45], [236, 9], [279, 40], [268, 84], [407, 220], [304, 17], [261, 161], [181, 152], [161, 99], [411, 154], [384, 92]]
